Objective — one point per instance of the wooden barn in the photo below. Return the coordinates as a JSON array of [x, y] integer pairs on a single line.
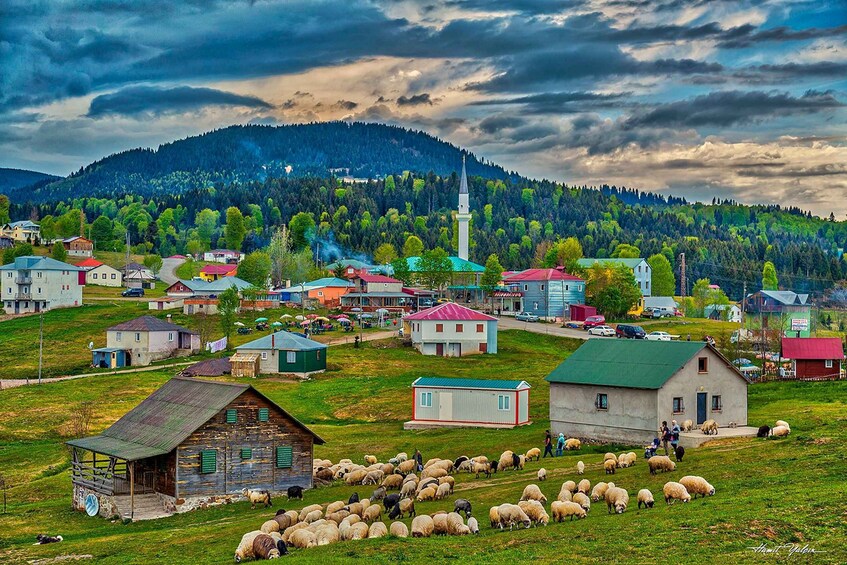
[[191, 443], [814, 358]]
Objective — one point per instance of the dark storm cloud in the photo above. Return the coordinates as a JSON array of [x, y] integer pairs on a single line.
[[559, 102], [345, 105], [493, 124], [782, 33], [137, 100], [415, 100], [830, 169]]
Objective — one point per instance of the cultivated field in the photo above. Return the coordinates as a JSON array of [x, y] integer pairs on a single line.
[[768, 491]]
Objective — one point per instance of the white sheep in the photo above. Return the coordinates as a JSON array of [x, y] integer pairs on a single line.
[[611, 456], [494, 516], [533, 453], [583, 500], [439, 524], [580, 468], [572, 443], [305, 511], [372, 513], [443, 491], [570, 485], [565, 494], [617, 499], [709, 427], [370, 459], [245, 546], [335, 506], [313, 516], [697, 485], [532, 492], [562, 510], [303, 539], [512, 514], [408, 490], [256, 496], [584, 486], [660, 463], [456, 525], [687, 426], [675, 491], [645, 497], [401, 456], [398, 530], [473, 525], [610, 465], [535, 511], [270, 526], [377, 530], [427, 494], [542, 474], [780, 431], [599, 491], [782, 423]]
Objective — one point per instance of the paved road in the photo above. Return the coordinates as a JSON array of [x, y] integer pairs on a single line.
[[509, 323], [168, 271]]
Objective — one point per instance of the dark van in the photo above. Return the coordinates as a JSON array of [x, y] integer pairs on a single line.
[[630, 332]]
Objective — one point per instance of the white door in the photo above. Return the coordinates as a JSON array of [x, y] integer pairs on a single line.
[[445, 406]]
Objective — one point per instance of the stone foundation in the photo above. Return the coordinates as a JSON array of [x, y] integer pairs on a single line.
[[181, 505], [108, 505]]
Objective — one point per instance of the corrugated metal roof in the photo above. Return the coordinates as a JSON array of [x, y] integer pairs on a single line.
[[35, 263], [369, 278], [542, 275], [167, 417], [448, 382], [328, 281], [625, 363], [149, 324], [812, 348], [450, 311], [283, 341], [787, 297], [457, 264]]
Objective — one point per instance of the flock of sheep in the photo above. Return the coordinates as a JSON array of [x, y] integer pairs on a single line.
[[353, 519]]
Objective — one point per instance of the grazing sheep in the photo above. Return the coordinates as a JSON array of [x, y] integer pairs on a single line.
[[370, 459], [763, 431], [356, 531], [407, 506], [443, 491], [286, 535], [270, 526], [355, 477], [517, 461], [377, 494], [377, 530], [439, 524], [264, 547], [611, 456], [542, 474], [286, 519], [645, 497], [511, 514], [293, 492], [484, 468], [572, 443], [371, 513], [617, 499], [473, 525], [532, 492], [506, 460], [583, 500], [462, 505], [584, 486], [398, 530], [338, 516], [697, 485], [609, 465], [570, 485], [522, 461], [257, 497], [456, 525], [533, 453], [387, 468], [782, 423], [687, 425], [431, 462], [535, 511], [480, 459], [433, 473], [390, 501], [373, 478], [580, 468], [324, 474], [426, 494], [432, 482], [356, 508], [494, 516], [466, 466], [313, 516], [675, 491], [780, 431], [245, 546], [599, 491], [565, 494], [444, 464], [401, 456], [679, 453], [303, 539], [305, 511], [626, 460], [459, 460], [327, 534], [335, 506], [660, 463], [392, 482], [448, 480], [408, 490], [406, 466], [709, 427], [411, 477], [562, 510]]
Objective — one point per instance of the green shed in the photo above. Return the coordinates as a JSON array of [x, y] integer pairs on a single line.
[[285, 352]]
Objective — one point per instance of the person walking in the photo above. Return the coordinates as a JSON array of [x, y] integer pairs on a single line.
[[675, 431], [548, 444], [418, 460], [665, 434], [560, 445]]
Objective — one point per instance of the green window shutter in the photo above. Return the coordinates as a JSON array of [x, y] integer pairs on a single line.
[[208, 461], [263, 414], [284, 457], [231, 416], [246, 453]]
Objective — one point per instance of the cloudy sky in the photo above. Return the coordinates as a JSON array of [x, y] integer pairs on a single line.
[[698, 98]]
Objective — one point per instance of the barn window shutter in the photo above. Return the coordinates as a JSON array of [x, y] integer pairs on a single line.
[[284, 457], [231, 416], [263, 414], [246, 453], [208, 461]]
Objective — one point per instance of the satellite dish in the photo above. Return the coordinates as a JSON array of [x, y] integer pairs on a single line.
[[92, 505], [90, 345]]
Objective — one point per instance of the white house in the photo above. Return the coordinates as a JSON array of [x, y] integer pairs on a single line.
[[452, 330], [640, 270], [223, 256], [100, 274], [137, 276], [33, 284], [728, 312], [454, 402], [23, 230], [146, 339]]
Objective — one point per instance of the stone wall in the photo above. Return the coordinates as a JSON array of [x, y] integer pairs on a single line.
[[108, 506]]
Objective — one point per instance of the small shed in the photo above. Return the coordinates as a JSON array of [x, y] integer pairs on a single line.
[[287, 353], [109, 358], [579, 312], [814, 358], [245, 365], [452, 402]]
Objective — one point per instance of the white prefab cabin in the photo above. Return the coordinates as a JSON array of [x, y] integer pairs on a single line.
[[450, 402]]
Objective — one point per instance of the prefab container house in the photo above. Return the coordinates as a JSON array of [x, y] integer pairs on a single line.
[[284, 352], [440, 401]]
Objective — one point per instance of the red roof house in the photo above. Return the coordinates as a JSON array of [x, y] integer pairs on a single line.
[[89, 263], [451, 330], [814, 358], [214, 272]]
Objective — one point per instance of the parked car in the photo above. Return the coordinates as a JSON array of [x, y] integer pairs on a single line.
[[658, 336], [630, 332], [526, 317], [133, 292], [444, 300], [605, 331], [658, 312], [592, 321], [426, 303]]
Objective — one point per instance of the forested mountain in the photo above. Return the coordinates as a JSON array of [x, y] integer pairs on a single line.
[[14, 179], [240, 154]]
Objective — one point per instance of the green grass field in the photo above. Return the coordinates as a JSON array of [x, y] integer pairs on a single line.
[[768, 491]]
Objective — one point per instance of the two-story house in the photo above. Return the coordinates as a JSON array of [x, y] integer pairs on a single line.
[[143, 340], [33, 284], [24, 231], [79, 246], [375, 292], [451, 330], [783, 312], [640, 270], [547, 293]]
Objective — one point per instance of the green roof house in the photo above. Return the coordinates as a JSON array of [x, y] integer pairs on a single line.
[[283, 352], [622, 390]]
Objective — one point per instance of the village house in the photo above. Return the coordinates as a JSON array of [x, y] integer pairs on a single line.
[[211, 273], [191, 443], [280, 352], [166, 303], [451, 330], [223, 256], [78, 246], [782, 311], [350, 267], [6, 242], [326, 291], [465, 276], [137, 276], [184, 288], [374, 292], [143, 340], [100, 274], [34, 284], [813, 358], [547, 293], [23, 231], [453, 402], [640, 270], [726, 312], [622, 390]]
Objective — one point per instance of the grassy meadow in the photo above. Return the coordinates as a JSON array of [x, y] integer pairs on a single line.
[[768, 491]]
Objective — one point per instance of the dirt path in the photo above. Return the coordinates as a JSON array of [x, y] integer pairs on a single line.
[[167, 274]]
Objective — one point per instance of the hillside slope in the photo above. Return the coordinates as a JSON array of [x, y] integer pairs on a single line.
[[16, 179]]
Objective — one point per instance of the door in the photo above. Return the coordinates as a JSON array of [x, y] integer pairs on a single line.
[[457, 349], [439, 347], [445, 406], [701, 407], [483, 347]]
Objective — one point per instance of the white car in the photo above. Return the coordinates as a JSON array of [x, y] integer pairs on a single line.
[[604, 331], [659, 336]]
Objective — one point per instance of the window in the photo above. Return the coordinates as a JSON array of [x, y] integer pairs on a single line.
[[118, 336], [38, 274], [479, 328], [94, 276], [503, 401], [717, 405], [113, 276], [827, 363], [231, 416], [678, 405], [264, 355], [426, 399], [170, 336], [602, 401], [290, 357], [702, 364], [579, 287], [284, 457], [264, 413], [542, 287], [208, 461], [320, 293], [246, 453], [526, 287], [137, 336], [460, 328], [39, 292], [318, 354], [567, 287], [439, 328]]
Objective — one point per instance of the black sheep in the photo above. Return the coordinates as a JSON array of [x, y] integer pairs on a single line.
[[390, 500], [459, 461], [295, 492], [353, 498], [516, 461], [763, 431], [280, 511], [462, 505], [679, 452], [283, 549], [494, 466], [395, 512]]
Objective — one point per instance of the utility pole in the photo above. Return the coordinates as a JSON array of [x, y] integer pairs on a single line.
[[40, 344], [683, 284]]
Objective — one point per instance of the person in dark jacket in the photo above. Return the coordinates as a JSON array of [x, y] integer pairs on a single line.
[[548, 444], [665, 434], [418, 460]]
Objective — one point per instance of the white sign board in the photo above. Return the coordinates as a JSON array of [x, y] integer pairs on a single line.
[[799, 324]]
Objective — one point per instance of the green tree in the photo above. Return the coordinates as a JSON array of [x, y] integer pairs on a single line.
[[206, 221], [565, 252], [400, 266], [279, 250], [11, 253], [626, 251], [413, 247], [228, 303], [102, 233], [769, 279], [385, 254], [255, 268], [491, 277], [390, 187], [435, 268], [154, 263], [662, 280], [4, 209], [58, 252], [612, 289], [700, 297], [235, 228], [302, 228]]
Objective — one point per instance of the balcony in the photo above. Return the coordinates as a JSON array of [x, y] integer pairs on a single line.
[[23, 280], [23, 296]]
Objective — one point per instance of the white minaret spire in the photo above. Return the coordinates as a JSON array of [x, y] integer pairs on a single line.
[[464, 216]]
